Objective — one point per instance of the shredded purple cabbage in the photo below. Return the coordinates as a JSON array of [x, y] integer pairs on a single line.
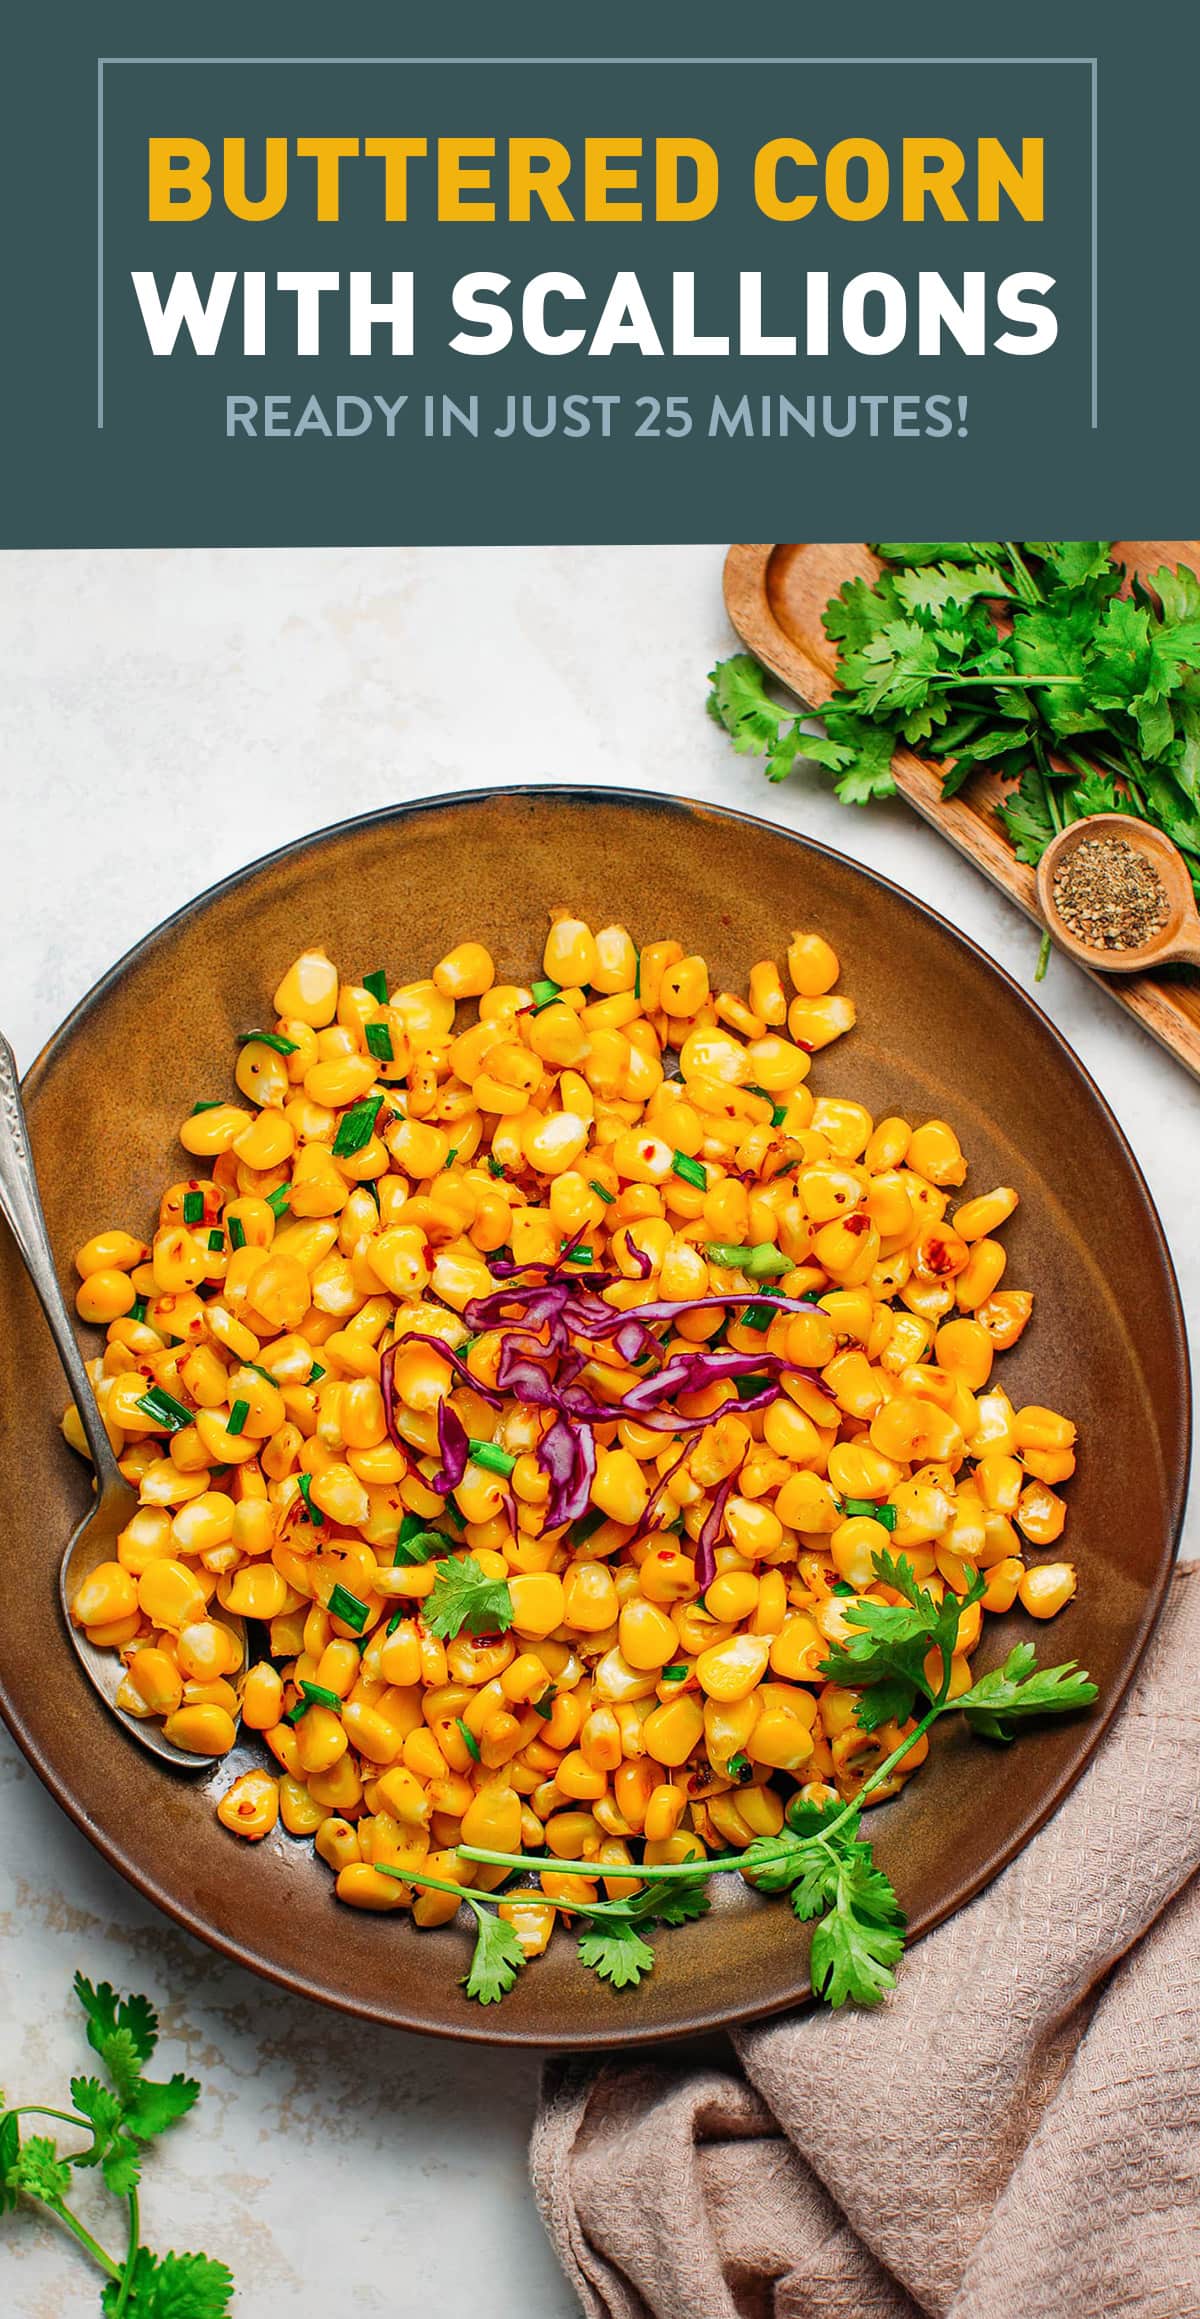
[[454, 1443], [706, 1544]]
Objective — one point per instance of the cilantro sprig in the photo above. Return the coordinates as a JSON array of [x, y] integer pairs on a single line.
[[120, 2113], [463, 1596], [899, 1657], [1025, 658]]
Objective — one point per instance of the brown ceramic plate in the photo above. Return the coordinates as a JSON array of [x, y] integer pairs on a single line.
[[941, 1032]]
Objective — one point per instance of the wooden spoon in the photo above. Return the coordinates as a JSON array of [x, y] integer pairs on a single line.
[[1177, 940]]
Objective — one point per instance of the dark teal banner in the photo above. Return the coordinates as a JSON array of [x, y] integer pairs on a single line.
[[293, 297]]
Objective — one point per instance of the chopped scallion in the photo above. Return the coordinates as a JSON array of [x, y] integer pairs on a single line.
[[490, 1457], [193, 1207], [747, 1387], [137, 1310], [216, 1241], [237, 1232], [840, 1587], [317, 1696], [578, 1256], [418, 1543], [885, 1515], [315, 1373], [495, 1166], [300, 1709], [212, 1103], [267, 1039], [762, 1262], [738, 1767], [357, 1126], [316, 1517], [377, 983], [164, 1409], [601, 1194], [346, 1606], [469, 1740], [544, 993], [690, 1171], [677, 1673], [236, 1420], [544, 1705], [587, 1525], [379, 1042], [278, 1200]]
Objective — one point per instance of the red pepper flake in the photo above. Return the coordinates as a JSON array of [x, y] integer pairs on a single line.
[[938, 1257]]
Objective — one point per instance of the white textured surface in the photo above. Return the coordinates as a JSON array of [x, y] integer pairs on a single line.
[[164, 719]]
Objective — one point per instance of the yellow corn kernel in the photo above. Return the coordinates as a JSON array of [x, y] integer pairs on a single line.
[[105, 1296], [250, 1808], [1047, 1588], [107, 1594], [213, 1130], [262, 1697], [780, 1741], [934, 1152], [169, 1594], [816, 1022], [156, 1680], [1040, 1515], [1038, 1429], [206, 1649], [672, 1731], [645, 1634], [1005, 1315], [362, 1886], [812, 964], [664, 1811], [732, 1596], [619, 1489], [590, 1602], [731, 1669], [337, 1843], [553, 1142], [965, 1350], [201, 1730], [569, 957], [465, 972], [1003, 1579], [979, 1279]]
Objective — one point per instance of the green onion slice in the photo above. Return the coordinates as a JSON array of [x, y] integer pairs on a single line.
[[300, 1709], [346, 1606], [278, 1200], [469, 1740], [689, 1171], [193, 1207], [357, 1126], [237, 1232], [886, 1515], [493, 1459], [216, 1241], [676, 1673], [738, 1767], [212, 1103], [587, 1525], [377, 984], [315, 1372], [544, 993], [762, 1262], [316, 1695], [137, 1310], [495, 1166], [601, 1194], [165, 1410], [236, 1420], [418, 1543], [379, 1042], [316, 1517], [268, 1039], [544, 1706], [578, 1256]]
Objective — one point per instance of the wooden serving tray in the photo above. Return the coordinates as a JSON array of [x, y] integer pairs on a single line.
[[775, 596]]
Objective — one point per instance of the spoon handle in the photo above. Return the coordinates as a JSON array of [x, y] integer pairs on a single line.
[[21, 1206]]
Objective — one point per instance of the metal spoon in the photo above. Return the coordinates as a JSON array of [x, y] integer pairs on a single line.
[[96, 1537], [1177, 940]]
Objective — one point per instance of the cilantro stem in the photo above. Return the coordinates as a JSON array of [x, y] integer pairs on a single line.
[[131, 2255], [1043, 958], [435, 1883], [598, 1867], [38, 2110], [1049, 793], [72, 2223], [1027, 587]]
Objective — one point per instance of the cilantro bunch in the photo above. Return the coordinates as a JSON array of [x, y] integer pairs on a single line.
[[818, 1859], [1024, 658], [119, 2113]]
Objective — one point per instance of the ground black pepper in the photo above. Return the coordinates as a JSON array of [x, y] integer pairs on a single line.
[[1109, 895]]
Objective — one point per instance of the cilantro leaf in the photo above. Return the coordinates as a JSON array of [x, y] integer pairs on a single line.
[[498, 1958], [157, 2103], [869, 748], [461, 1596], [617, 1953], [172, 2287], [122, 2030], [1027, 817], [104, 2113], [679, 1902], [1020, 1690], [885, 1652], [38, 2170], [739, 701], [858, 1944], [934, 587]]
